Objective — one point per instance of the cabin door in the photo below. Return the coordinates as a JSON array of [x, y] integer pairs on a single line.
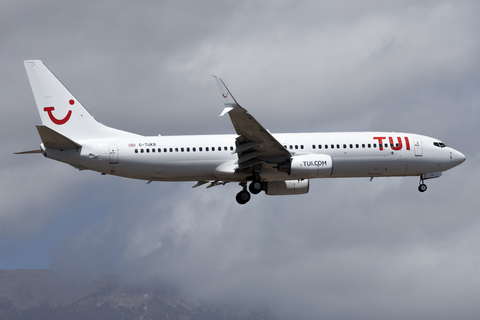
[[417, 146]]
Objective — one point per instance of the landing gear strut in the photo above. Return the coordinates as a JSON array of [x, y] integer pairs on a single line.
[[422, 187]]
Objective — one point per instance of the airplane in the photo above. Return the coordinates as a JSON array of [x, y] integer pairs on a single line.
[[278, 164]]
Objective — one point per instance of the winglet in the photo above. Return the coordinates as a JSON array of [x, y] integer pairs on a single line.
[[228, 100]]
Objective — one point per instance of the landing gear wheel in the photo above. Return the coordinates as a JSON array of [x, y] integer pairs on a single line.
[[422, 187], [243, 197], [255, 187]]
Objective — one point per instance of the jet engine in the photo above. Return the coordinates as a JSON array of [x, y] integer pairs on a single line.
[[278, 188], [308, 166]]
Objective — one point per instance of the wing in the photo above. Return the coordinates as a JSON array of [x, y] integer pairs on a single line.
[[254, 143]]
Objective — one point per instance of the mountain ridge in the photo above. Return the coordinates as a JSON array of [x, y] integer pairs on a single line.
[[46, 294]]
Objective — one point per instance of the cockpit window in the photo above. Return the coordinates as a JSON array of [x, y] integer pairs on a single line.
[[439, 144]]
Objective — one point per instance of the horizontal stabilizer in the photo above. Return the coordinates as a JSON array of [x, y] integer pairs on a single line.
[[27, 152], [54, 140]]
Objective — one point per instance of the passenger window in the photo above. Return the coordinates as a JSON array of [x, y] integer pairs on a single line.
[[213, 148], [141, 150], [313, 146], [338, 146], [194, 149], [148, 150], [188, 149], [200, 149], [363, 145], [369, 145], [374, 145], [136, 150], [153, 150], [356, 146], [296, 146], [291, 147], [326, 146], [333, 146], [181, 149], [351, 146], [225, 148], [344, 146], [319, 146], [176, 149], [159, 149], [171, 150], [386, 145], [206, 149], [231, 148]]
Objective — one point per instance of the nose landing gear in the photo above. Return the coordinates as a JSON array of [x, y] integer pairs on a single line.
[[422, 187]]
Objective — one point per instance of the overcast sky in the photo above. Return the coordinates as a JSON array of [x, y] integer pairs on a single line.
[[350, 248]]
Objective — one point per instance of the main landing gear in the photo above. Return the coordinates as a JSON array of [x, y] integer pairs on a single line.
[[243, 196], [255, 187]]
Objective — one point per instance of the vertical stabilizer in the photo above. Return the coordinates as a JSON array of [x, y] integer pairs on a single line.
[[60, 110]]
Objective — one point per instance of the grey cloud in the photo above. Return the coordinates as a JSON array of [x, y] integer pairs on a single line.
[[350, 248]]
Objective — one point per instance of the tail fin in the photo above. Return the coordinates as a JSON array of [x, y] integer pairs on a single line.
[[60, 110]]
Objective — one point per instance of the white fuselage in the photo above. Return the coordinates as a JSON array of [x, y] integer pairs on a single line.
[[279, 164], [210, 157]]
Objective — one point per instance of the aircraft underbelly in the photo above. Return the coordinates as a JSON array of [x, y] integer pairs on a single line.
[[184, 171], [368, 167]]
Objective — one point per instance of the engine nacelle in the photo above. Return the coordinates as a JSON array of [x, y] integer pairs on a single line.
[[280, 188], [308, 166]]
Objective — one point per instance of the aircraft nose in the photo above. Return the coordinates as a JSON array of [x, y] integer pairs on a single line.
[[458, 157]]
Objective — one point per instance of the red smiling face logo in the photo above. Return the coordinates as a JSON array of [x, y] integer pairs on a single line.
[[55, 120]]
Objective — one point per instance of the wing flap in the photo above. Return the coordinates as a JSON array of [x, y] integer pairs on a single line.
[[248, 156], [246, 146]]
